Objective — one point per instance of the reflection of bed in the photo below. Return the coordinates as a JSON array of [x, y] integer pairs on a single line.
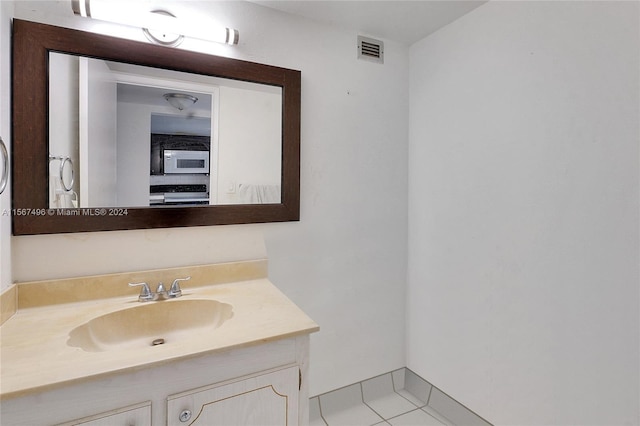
[[259, 194]]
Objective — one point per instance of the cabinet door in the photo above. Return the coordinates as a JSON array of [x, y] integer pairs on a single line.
[[135, 415], [265, 400]]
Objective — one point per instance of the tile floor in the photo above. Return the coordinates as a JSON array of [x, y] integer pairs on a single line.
[[398, 398]]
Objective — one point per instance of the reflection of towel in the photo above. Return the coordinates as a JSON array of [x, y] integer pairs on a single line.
[[259, 194], [58, 197]]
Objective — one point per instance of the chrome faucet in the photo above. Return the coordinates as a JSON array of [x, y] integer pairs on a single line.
[[161, 293]]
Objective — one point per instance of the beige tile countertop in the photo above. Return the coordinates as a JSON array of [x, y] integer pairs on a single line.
[[35, 354]]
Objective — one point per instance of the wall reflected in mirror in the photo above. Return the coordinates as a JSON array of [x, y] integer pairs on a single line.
[[128, 146]]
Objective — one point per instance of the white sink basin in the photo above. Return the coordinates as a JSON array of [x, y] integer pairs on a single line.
[[150, 324]]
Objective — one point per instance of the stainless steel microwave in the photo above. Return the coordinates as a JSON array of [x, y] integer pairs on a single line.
[[182, 161]]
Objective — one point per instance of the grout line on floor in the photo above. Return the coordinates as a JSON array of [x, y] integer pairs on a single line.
[[371, 408], [320, 409], [407, 399], [377, 414], [455, 400], [400, 415]]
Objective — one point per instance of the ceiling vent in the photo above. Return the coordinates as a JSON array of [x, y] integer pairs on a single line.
[[370, 49]]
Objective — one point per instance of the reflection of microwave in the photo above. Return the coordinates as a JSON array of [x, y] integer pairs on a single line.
[[181, 161]]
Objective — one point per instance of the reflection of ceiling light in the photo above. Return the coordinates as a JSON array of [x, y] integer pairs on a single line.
[[154, 23], [180, 101]]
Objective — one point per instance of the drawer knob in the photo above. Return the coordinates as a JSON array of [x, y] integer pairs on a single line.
[[185, 416]]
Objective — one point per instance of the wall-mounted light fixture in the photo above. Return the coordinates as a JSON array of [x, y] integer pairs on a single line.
[[163, 38], [163, 27]]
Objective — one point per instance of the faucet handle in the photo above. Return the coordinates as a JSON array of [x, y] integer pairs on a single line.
[[145, 292], [161, 290], [175, 290]]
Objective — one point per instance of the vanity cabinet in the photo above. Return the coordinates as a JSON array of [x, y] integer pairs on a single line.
[[135, 415], [250, 370], [265, 400], [263, 384]]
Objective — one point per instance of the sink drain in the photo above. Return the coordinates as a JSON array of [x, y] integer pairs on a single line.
[[157, 342]]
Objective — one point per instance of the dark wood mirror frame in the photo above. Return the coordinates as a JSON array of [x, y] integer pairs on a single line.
[[32, 43]]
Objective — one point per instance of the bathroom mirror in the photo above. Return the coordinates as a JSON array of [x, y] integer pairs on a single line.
[[55, 190], [152, 137]]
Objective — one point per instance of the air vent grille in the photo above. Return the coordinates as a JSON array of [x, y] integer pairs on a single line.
[[370, 49]]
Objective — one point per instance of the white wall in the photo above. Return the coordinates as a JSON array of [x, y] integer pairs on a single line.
[[250, 141], [133, 150], [98, 124], [63, 126], [344, 263], [6, 12], [523, 212]]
